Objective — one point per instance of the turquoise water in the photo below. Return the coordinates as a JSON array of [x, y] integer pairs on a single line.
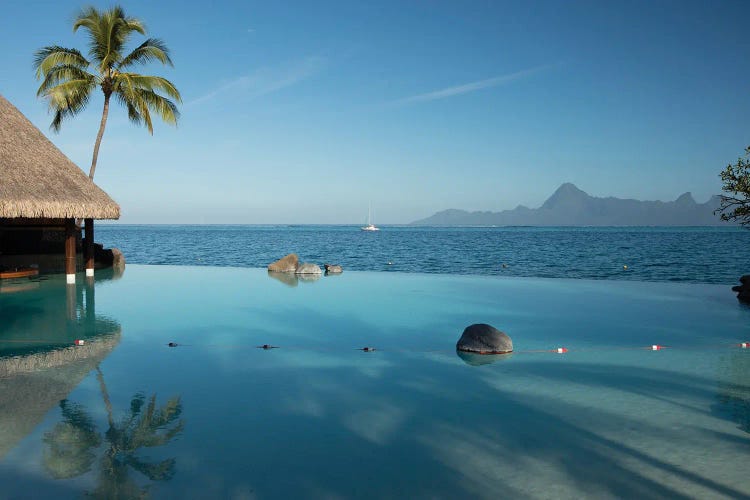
[[683, 254], [318, 418]]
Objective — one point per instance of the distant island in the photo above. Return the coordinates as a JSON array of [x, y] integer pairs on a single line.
[[569, 206]]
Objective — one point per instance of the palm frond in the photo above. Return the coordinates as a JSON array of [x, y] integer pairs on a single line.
[[48, 57], [150, 50], [155, 83], [62, 73], [108, 33], [67, 99], [138, 94]]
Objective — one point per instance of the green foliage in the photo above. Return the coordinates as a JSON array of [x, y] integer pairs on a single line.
[[67, 84], [69, 79], [735, 204]]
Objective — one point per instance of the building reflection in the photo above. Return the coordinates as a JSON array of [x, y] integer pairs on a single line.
[[42, 360], [39, 363]]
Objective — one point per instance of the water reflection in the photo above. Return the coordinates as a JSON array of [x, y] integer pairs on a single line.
[[291, 279], [39, 363], [75, 443], [474, 359]]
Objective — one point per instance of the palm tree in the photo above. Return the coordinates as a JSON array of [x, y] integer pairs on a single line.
[[68, 84]]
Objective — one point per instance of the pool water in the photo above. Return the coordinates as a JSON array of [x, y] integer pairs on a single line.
[[125, 415]]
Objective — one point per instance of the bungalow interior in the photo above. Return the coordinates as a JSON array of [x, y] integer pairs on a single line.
[[37, 243]]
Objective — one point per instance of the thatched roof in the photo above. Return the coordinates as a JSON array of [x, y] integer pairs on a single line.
[[37, 180]]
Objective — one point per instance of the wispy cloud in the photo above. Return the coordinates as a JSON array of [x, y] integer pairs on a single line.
[[265, 80], [474, 86]]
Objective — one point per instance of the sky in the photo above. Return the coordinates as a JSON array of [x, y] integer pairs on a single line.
[[305, 112]]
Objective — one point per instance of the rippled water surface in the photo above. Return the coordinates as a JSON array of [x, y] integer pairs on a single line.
[[126, 416], [698, 255]]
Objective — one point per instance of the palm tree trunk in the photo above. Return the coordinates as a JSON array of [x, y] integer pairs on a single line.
[[99, 136], [105, 396]]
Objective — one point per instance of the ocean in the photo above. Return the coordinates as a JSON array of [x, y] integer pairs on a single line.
[[717, 255]]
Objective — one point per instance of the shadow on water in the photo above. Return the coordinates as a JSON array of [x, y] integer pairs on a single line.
[[502, 442], [505, 430], [733, 398]]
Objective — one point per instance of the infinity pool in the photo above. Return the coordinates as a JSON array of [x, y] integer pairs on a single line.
[[124, 415]]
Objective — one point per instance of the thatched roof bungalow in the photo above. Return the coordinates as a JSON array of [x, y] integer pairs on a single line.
[[42, 192]]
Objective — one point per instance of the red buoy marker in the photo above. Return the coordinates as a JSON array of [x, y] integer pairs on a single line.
[[79, 342], [562, 350]]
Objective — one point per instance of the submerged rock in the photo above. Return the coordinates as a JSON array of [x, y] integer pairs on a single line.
[[308, 268], [333, 268], [743, 290], [286, 264], [484, 339]]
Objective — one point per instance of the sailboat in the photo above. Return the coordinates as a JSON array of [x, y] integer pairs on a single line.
[[370, 226]]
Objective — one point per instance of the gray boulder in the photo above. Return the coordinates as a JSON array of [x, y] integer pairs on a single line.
[[333, 268], [484, 339], [287, 264], [308, 268]]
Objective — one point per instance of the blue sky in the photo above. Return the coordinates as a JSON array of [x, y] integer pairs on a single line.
[[303, 112]]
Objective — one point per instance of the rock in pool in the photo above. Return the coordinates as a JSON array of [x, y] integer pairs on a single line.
[[484, 339], [287, 264], [743, 290], [333, 268], [308, 268]]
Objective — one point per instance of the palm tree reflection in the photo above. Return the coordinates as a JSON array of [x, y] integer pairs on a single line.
[[75, 443]]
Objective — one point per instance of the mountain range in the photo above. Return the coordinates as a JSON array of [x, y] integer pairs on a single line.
[[569, 206]]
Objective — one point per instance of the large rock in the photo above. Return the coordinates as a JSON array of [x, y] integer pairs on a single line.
[[743, 290], [333, 268], [287, 264], [108, 257], [118, 259], [484, 339], [308, 268]]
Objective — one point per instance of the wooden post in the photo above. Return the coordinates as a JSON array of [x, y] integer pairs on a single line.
[[70, 251], [89, 251]]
